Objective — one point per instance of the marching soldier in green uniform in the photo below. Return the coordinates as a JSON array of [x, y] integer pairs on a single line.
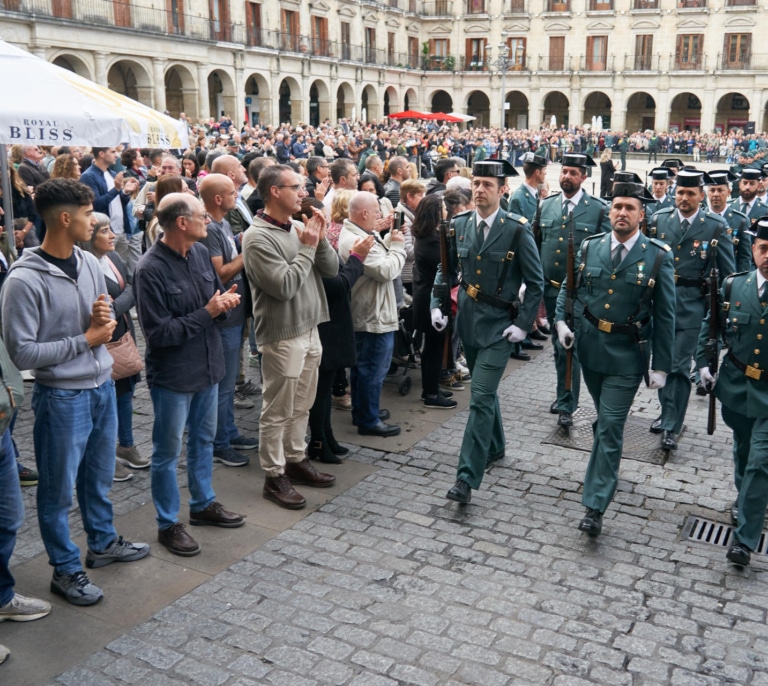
[[525, 199], [689, 230], [659, 184], [738, 222], [495, 254], [747, 202], [590, 216], [626, 304], [742, 388], [673, 165]]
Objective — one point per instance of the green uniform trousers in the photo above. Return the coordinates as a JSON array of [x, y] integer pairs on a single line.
[[750, 457], [484, 434], [567, 401], [677, 391], [613, 396]]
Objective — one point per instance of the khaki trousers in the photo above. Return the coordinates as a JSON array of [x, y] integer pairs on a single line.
[[289, 372]]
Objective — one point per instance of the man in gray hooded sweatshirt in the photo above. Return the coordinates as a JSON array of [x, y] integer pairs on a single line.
[[56, 318]]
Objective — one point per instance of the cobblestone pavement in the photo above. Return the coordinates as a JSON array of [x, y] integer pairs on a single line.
[[389, 585]]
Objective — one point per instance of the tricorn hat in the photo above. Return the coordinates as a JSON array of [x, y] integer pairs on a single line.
[[630, 189], [752, 174], [759, 228], [581, 160], [660, 174], [533, 158], [673, 163], [497, 169], [722, 177], [626, 177], [693, 178]]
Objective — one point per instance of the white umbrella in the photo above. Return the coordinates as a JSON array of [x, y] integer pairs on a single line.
[[463, 117], [46, 105]]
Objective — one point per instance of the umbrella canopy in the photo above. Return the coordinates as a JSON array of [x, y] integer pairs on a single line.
[[46, 105], [442, 116], [408, 114], [463, 117]]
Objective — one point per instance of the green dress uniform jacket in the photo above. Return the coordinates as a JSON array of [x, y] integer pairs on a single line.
[[523, 202], [482, 263], [612, 361], [738, 232], [653, 207], [590, 217], [758, 209], [692, 255], [744, 397]]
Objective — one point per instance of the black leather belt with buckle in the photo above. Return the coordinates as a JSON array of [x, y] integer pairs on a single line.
[[749, 371]]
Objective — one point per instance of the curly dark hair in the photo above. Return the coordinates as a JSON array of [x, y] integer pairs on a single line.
[[427, 216]]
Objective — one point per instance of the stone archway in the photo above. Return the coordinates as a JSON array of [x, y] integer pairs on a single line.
[[180, 91], [390, 102], [556, 105], [257, 101], [290, 100], [732, 112], [516, 117], [131, 79], [345, 101], [441, 102], [685, 113], [369, 104], [410, 100], [221, 94], [598, 104], [319, 103], [479, 106], [74, 64], [641, 112]]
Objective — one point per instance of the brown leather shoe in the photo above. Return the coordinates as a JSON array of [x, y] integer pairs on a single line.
[[305, 474], [216, 515], [279, 490], [176, 539]]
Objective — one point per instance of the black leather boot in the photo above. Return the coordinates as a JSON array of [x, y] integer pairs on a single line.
[[318, 450]]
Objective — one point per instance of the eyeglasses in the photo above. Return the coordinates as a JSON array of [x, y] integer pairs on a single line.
[[296, 187], [204, 216]]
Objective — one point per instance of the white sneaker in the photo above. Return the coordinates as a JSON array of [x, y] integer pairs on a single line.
[[22, 609], [4, 653]]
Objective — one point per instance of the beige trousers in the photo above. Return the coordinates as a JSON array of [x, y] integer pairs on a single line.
[[289, 373]]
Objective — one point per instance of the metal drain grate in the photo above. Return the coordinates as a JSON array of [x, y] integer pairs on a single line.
[[706, 531]]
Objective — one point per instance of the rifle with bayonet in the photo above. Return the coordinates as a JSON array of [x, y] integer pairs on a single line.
[[570, 298], [443, 292], [711, 349], [536, 226]]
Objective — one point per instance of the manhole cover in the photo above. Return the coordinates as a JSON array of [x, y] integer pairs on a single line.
[[639, 443], [701, 530]]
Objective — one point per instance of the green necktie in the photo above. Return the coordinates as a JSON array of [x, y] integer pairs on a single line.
[[763, 292], [618, 253], [745, 207], [685, 225], [480, 238]]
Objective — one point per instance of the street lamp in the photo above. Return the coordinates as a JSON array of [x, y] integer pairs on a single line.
[[503, 63]]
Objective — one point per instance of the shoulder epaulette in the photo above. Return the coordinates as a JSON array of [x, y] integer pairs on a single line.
[[660, 244], [552, 195], [461, 214], [735, 274], [665, 210], [595, 235], [517, 217]]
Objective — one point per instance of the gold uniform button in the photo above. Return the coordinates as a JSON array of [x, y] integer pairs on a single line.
[[613, 276], [479, 258], [759, 337], [677, 259], [762, 321], [757, 352], [557, 264], [557, 252], [560, 239], [607, 306], [478, 272], [679, 247], [610, 291]]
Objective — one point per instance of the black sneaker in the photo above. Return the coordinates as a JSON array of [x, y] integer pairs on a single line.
[[230, 458], [438, 402], [76, 588]]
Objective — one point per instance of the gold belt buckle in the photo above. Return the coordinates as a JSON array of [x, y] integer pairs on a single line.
[[753, 373], [472, 291], [603, 325]]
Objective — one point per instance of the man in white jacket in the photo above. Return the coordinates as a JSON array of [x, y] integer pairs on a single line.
[[374, 312]]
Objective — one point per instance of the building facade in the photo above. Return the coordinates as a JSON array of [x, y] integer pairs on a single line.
[[638, 64]]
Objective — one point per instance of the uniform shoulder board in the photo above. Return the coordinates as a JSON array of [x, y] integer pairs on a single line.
[[735, 274], [462, 214], [517, 217], [660, 244], [666, 210], [738, 213], [552, 195], [595, 235]]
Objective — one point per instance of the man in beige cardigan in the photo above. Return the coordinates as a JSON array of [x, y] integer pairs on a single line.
[[285, 261]]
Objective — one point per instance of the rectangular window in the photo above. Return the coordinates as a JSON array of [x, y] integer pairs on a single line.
[[690, 51], [516, 6], [391, 48], [438, 51], [737, 50], [556, 53], [61, 8], [413, 52], [475, 55], [558, 6], [320, 44], [517, 54], [122, 9], [643, 52], [476, 7], [370, 45], [600, 5], [290, 31], [253, 22], [346, 40], [220, 24], [597, 53]]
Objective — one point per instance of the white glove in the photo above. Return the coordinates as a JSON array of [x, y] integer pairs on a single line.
[[514, 334], [439, 320], [657, 381], [707, 379], [564, 335]]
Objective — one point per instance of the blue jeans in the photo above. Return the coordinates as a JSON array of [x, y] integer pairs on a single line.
[[74, 436], [374, 356], [231, 341], [11, 514], [174, 411], [125, 420]]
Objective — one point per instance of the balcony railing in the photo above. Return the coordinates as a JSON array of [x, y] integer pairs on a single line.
[[438, 63], [600, 5], [645, 4], [641, 63], [473, 64], [691, 4], [743, 63], [557, 6], [555, 63], [687, 62], [603, 63], [741, 3], [436, 8]]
